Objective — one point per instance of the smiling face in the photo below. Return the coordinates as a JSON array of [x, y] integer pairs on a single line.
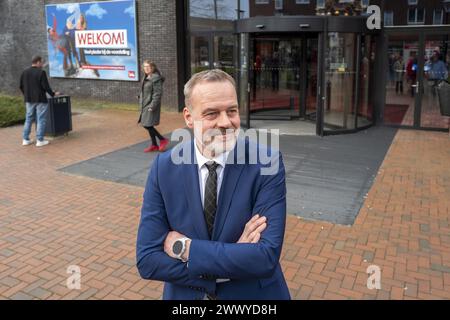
[[213, 114]]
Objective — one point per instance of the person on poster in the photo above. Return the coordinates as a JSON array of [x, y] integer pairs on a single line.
[[69, 33], [80, 26], [213, 227], [61, 44]]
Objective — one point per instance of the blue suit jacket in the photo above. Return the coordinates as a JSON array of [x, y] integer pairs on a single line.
[[172, 202]]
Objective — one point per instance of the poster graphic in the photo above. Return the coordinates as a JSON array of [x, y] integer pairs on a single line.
[[93, 40]]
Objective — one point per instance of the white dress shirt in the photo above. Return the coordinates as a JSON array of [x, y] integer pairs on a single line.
[[203, 171]]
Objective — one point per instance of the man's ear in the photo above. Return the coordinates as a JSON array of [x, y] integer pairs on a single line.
[[188, 117]]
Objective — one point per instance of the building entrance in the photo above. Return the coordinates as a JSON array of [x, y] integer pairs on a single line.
[[283, 77], [417, 62]]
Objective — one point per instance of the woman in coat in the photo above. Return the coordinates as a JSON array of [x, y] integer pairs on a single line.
[[150, 102]]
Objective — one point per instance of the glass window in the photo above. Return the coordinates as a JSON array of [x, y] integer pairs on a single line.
[[436, 69], [261, 1], [224, 53], [365, 105], [401, 79], [437, 16], [420, 15], [365, 3], [302, 1], [412, 15], [416, 16], [211, 40], [244, 9], [389, 18], [320, 4], [412, 2], [215, 15], [213, 9], [199, 54], [243, 78], [201, 9], [278, 4], [275, 66]]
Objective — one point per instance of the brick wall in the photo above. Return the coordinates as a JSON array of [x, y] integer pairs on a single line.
[[23, 34]]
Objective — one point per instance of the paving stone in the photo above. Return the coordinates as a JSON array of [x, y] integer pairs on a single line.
[[21, 296]]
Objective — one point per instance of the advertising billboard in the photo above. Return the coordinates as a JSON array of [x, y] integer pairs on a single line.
[[93, 40]]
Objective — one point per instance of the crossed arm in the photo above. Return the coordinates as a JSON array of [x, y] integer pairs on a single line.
[[251, 234]]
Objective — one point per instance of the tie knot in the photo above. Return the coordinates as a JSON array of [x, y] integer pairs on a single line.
[[212, 166]]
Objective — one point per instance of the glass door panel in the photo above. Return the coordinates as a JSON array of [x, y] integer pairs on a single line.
[[366, 83], [243, 79], [200, 53], [437, 59], [275, 88], [402, 84], [311, 77], [224, 53], [340, 76]]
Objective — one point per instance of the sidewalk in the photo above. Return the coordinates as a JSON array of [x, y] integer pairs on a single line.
[[50, 220], [403, 228]]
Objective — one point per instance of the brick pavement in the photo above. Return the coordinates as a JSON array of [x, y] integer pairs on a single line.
[[50, 220]]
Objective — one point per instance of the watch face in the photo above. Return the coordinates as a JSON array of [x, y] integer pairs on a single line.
[[177, 247]]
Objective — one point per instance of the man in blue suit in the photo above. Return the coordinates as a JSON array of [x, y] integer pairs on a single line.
[[212, 226]]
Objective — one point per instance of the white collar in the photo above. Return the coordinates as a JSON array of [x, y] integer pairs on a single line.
[[201, 159]]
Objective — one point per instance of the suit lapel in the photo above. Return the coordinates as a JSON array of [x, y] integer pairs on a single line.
[[230, 181], [192, 192]]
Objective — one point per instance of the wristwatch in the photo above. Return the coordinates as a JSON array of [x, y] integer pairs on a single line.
[[179, 247]]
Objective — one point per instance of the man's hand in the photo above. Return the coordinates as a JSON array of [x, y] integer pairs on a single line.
[[253, 229], [57, 93], [173, 236]]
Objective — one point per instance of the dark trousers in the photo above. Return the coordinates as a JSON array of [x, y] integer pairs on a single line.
[[153, 134], [275, 79], [399, 86]]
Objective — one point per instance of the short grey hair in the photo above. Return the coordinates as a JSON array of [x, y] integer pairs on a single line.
[[214, 75]]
